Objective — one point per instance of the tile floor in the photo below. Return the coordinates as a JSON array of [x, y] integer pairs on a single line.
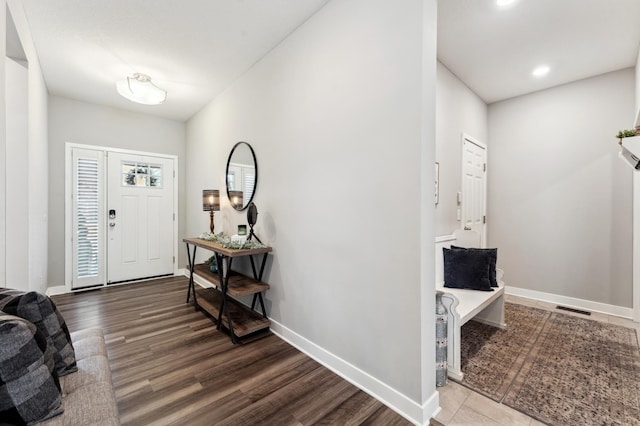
[[461, 406]]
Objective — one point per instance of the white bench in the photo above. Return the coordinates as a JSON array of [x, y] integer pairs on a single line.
[[463, 305]]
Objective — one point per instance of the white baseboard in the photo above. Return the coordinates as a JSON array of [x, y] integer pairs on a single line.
[[55, 290], [409, 409], [406, 407], [571, 302]]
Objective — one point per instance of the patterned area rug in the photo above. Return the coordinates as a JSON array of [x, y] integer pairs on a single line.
[[490, 357], [559, 369]]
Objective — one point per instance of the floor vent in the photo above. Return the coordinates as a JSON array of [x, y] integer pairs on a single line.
[[577, 311]]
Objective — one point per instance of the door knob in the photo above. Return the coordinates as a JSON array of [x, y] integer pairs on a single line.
[[112, 224]]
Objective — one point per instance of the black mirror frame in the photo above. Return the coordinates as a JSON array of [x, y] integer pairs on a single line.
[[226, 174]]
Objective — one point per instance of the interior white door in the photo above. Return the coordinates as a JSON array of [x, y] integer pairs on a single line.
[[87, 221], [140, 217], [474, 186]]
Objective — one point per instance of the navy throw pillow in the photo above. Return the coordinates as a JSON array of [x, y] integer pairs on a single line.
[[493, 260], [466, 269]]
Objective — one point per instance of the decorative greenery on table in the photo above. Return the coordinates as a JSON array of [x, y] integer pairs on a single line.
[[225, 241], [626, 134]]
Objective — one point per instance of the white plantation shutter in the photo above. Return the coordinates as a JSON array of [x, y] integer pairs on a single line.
[[249, 176], [88, 218], [87, 214]]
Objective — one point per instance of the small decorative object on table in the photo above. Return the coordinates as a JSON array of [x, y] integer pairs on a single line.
[[238, 239], [213, 265], [242, 229]]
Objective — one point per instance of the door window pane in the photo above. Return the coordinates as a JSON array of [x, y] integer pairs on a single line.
[[141, 174]]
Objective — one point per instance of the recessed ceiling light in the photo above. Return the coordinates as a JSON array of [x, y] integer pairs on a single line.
[[504, 3], [541, 71]]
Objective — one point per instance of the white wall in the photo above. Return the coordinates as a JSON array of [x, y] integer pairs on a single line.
[[3, 138], [335, 116], [638, 82], [38, 175], [458, 111], [27, 233], [560, 199], [17, 175], [90, 124]]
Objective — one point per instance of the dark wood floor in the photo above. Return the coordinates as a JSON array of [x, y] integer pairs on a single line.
[[171, 366]]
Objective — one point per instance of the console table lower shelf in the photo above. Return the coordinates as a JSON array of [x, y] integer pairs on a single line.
[[245, 321]]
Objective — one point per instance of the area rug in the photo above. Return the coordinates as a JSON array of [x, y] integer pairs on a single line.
[[580, 372], [490, 358], [570, 371]]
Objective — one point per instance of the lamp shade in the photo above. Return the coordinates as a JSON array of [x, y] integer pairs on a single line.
[[139, 88], [210, 200], [236, 199]]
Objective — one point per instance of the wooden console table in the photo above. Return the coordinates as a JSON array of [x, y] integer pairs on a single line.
[[221, 301]]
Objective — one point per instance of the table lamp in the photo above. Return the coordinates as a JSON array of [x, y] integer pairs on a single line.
[[211, 203]]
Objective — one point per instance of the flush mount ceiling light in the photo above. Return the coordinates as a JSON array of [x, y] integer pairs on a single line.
[[541, 71], [139, 88], [504, 3]]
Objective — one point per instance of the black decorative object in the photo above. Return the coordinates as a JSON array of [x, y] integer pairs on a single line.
[[252, 218]]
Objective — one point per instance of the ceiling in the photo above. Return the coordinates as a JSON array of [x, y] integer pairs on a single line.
[[494, 50], [194, 49]]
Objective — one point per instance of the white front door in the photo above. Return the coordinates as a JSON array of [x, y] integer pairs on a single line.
[[474, 186], [140, 217]]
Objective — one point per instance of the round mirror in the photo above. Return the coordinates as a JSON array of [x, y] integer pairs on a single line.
[[242, 175]]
